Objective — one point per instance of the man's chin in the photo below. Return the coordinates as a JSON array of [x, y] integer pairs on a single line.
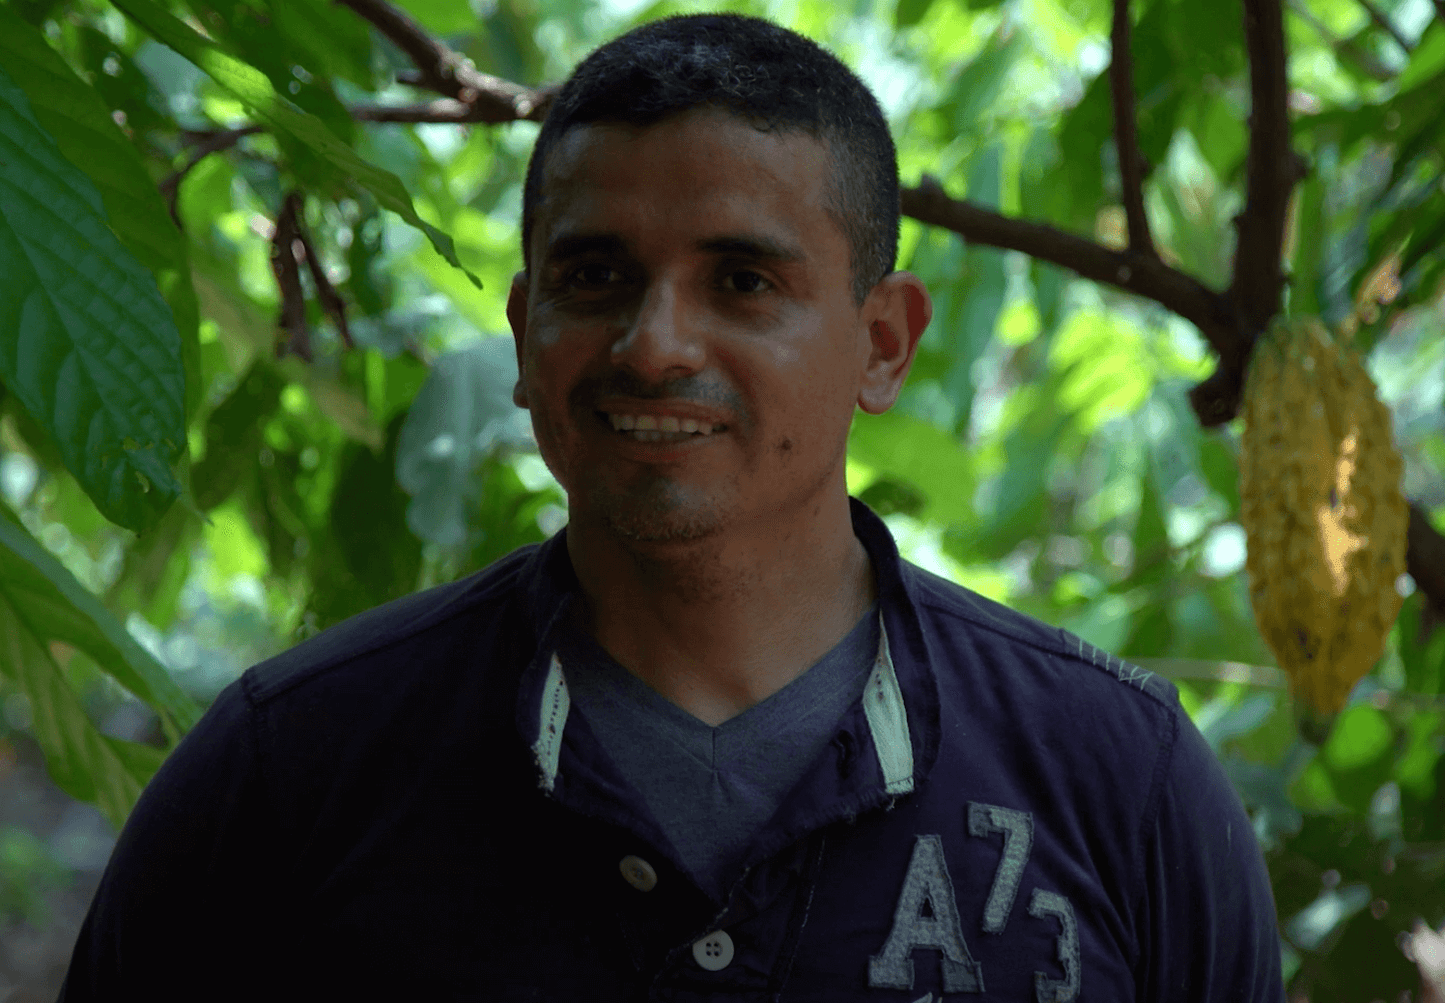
[[664, 528], [662, 515]]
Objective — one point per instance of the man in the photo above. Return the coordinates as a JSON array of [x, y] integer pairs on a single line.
[[715, 740]]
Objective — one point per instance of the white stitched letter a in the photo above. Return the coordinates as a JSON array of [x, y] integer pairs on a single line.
[[928, 882]]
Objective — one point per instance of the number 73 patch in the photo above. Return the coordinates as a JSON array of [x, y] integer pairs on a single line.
[[928, 882]]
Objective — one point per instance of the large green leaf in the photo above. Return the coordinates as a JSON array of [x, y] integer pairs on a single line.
[[41, 604], [910, 12], [80, 121], [234, 435], [981, 82], [87, 344], [1428, 59], [442, 17], [1309, 248], [253, 89], [337, 41], [366, 555], [462, 415]]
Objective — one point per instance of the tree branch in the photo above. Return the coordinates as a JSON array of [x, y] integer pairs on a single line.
[[447, 111], [1142, 275], [207, 144], [1272, 170], [1131, 166], [331, 300], [1383, 22], [294, 335], [449, 73], [1440, 9]]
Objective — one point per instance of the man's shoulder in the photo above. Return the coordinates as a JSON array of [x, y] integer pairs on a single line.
[[423, 620], [955, 611]]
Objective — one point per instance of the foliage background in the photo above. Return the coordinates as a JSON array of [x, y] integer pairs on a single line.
[[1044, 452]]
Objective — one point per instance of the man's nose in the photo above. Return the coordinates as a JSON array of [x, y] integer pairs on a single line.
[[663, 341]]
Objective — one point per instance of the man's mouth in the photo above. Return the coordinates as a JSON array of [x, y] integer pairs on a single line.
[[661, 428]]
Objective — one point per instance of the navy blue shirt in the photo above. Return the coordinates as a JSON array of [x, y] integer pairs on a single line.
[[405, 806]]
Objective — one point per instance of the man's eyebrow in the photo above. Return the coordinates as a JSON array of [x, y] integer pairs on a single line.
[[754, 246], [572, 245]]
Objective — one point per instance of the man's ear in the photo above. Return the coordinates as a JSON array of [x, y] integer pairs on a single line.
[[517, 317], [897, 312]]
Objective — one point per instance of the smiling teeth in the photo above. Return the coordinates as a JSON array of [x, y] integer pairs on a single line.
[[652, 428]]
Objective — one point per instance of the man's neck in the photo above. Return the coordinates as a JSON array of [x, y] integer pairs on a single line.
[[721, 624]]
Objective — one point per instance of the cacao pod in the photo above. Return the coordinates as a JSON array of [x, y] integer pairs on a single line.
[[1322, 510]]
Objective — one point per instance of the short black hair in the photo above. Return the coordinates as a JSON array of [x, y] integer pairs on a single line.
[[763, 73]]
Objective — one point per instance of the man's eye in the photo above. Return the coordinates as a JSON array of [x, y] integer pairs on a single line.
[[744, 281], [596, 275]]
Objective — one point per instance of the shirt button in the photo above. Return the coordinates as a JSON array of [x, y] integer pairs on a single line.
[[639, 873], [714, 951]]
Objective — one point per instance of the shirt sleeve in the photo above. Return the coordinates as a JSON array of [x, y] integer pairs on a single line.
[[178, 904], [1208, 930]]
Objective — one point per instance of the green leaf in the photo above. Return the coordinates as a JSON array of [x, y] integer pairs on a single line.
[[442, 17], [907, 449], [1309, 248], [1082, 132], [1222, 138], [79, 120], [1151, 537], [981, 82], [42, 603], [1423, 658], [29, 877], [37, 585], [1151, 632], [1427, 233], [910, 12], [233, 435], [86, 343], [366, 555], [120, 82], [337, 41], [506, 517], [1220, 469], [1359, 754], [1426, 61], [461, 416], [967, 309], [1019, 505], [253, 89]]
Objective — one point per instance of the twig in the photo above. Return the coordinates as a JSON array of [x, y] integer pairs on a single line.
[[207, 144], [285, 242], [443, 110], [331, 300], [1378, 16], [1131, 167], [449, 73], [1150, 277]]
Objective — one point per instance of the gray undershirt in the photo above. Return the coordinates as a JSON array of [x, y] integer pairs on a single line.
[[712, 789]]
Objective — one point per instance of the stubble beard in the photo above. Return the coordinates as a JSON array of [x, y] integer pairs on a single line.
[[658, 512]]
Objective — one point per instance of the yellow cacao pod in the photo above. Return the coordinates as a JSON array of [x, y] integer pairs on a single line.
[[1323, 514]]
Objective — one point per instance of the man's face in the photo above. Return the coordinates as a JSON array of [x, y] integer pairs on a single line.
[[688, 341]]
